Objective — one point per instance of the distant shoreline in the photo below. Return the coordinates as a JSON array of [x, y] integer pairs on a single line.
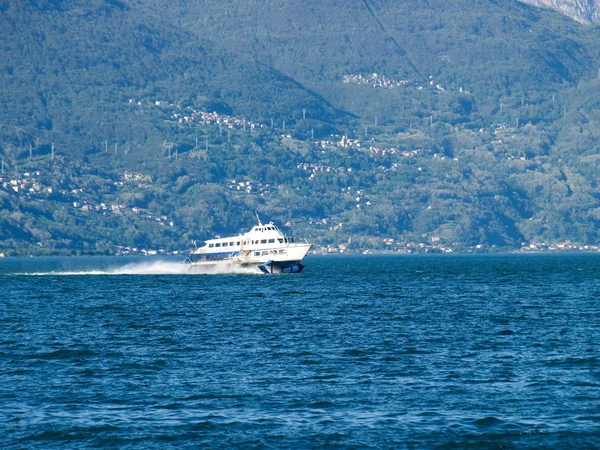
[[318, 253]]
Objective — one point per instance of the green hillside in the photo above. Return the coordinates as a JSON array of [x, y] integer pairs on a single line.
[[69, 69], [496, 50], [399, 126]]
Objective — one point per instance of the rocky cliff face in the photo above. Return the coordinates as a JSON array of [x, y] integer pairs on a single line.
[[584, 11]]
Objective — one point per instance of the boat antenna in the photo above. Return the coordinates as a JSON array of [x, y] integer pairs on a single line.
[[258, 218]]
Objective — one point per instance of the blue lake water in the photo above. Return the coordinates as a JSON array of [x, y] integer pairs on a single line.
[[357, 351]]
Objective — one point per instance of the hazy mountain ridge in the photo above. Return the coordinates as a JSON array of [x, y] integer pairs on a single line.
[[584, 11]]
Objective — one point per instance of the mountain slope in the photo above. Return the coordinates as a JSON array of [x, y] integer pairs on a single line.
[[479, 129], [68, 70], [505, 48]]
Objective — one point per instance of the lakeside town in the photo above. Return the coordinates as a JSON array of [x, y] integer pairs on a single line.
[[40, 186], [31, 185]]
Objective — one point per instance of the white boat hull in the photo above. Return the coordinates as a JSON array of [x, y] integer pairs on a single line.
[[282, 259]]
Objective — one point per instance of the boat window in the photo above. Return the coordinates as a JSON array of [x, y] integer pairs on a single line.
[[257, 254], [271, 241], [280, 240], [231, 244], [265, 253], [218, 244], [225, 244], [211, 245], [238, 243], [263, 241]]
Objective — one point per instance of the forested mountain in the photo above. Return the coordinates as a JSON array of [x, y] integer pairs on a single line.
[[363, 124], [69, 69], [492, 49], [584, 11]]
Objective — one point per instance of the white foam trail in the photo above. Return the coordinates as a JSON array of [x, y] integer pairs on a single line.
[[159, 268]]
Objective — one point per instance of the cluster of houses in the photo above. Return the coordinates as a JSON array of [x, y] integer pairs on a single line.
[[314, 169], [192, 116], [28, 183], [325, 224], [421, 247], [104, 209], [346, 142], [377, 81], [558, 247], [359, 197], [120, 209], [126, 250], [436, 246], [381, 81], [135, 177], [250, 187], [390, 245]]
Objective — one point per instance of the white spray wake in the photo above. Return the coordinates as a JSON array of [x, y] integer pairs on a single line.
[[158, 268]]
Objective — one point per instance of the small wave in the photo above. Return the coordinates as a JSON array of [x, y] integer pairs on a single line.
[[321, 404], [356, 352], [155, 268], [63, 354], [488, 422], [572, 361], [204, 426], [505, 332]]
